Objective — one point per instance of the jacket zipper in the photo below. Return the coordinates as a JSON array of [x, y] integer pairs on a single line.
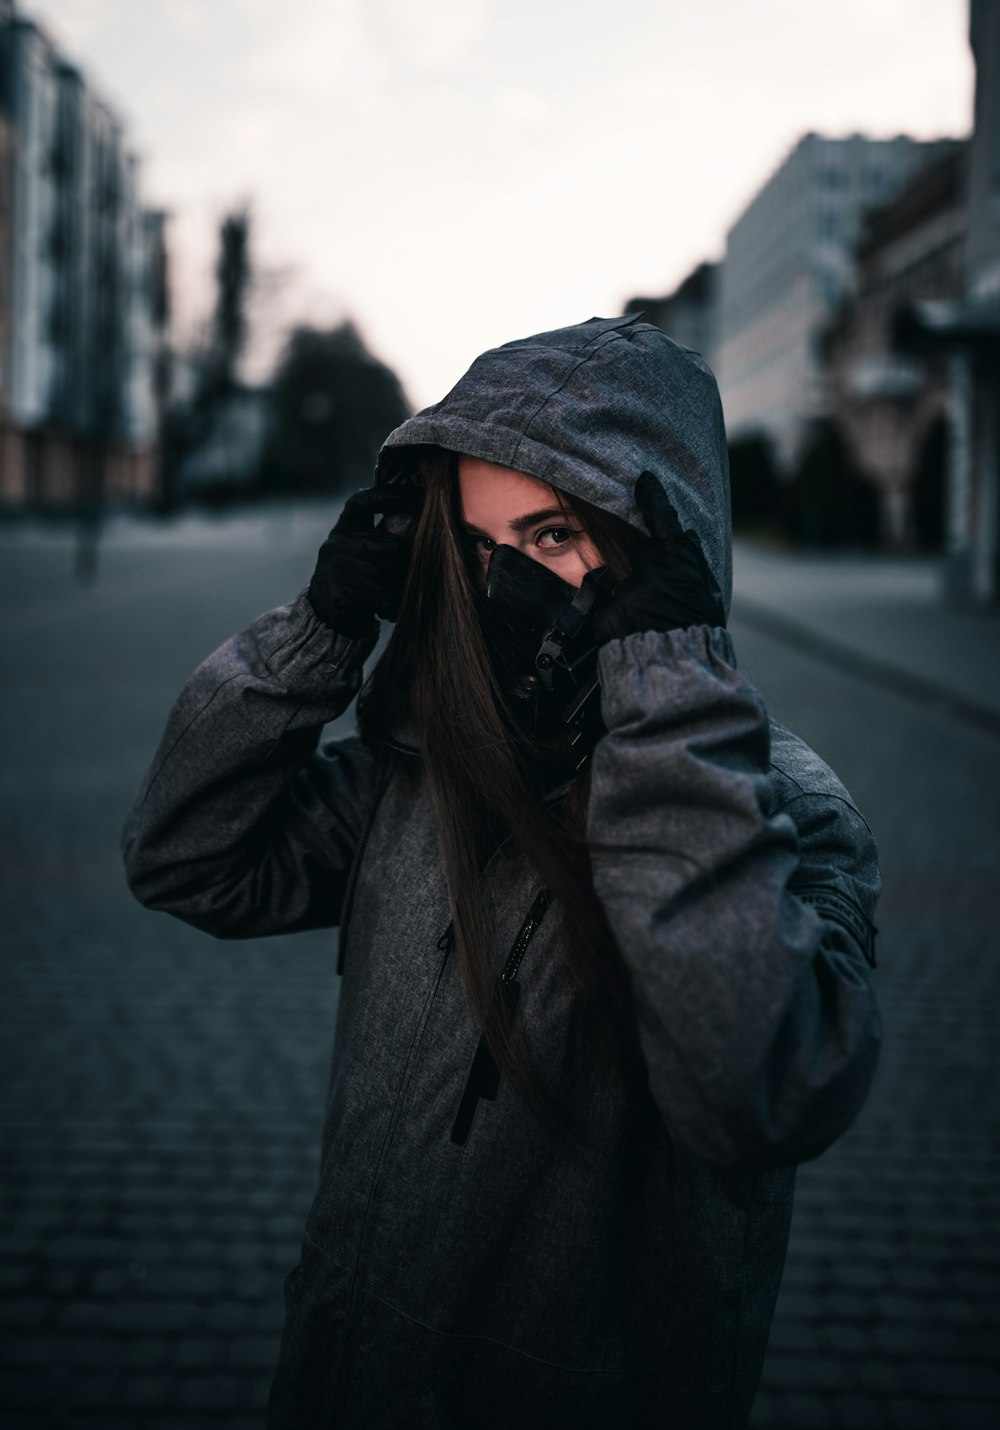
[[484, 1075], [535, 915]]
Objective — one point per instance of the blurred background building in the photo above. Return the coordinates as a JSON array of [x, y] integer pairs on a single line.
[[83, 289], [964, 330], [789, 264], [893, 407]]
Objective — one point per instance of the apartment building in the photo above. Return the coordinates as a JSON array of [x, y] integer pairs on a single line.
[[893, 408], [82, 288], [966, 333], [789, 264]]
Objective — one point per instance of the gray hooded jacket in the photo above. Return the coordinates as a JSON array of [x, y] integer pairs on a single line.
[[491, 1277]]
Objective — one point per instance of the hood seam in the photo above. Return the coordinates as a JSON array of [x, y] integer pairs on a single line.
[[596, 342]]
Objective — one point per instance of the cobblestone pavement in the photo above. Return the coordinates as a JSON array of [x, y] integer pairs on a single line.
[[162, 1092]]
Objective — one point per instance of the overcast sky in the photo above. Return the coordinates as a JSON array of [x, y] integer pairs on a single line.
[[457, 173]]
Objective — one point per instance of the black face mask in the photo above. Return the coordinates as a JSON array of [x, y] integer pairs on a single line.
[[541, 642]]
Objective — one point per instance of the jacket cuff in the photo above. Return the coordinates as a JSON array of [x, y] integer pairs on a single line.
[[292, 646], [345, 646], [664, 670], [706, 645]]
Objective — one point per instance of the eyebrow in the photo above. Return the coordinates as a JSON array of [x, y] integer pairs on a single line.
[[522, 523]]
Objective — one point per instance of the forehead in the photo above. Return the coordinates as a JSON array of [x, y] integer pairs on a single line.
[[492, 495]]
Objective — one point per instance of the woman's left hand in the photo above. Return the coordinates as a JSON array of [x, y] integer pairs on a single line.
[[671, 585]]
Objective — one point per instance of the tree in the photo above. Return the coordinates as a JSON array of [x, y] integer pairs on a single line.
[[829, 503], [930, 488], [332, 404], [753, 482], [229, 321], [191, 422]]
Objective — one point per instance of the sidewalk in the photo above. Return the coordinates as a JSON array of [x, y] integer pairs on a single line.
[[885, 616], [887, 1318]]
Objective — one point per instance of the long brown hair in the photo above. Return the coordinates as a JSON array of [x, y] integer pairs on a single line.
[[436, 673]]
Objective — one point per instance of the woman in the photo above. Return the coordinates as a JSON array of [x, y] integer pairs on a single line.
[[605, 929]]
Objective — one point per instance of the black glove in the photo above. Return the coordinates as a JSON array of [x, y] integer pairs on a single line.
[[670, 585], [362, 567]]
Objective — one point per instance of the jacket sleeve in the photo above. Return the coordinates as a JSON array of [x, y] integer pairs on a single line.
[[243, 826], [746, 930]]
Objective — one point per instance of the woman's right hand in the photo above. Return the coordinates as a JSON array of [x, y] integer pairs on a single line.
[[361, 568]]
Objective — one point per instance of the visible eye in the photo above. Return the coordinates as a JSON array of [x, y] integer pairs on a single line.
[[552, 537], [480, 546]]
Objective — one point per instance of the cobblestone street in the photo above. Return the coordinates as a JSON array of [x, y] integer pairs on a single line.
[[162, 1092]]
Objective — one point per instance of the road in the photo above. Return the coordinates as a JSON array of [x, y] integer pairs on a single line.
[[162, 1092]]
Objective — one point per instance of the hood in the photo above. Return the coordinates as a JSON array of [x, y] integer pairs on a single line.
[[587, 409]]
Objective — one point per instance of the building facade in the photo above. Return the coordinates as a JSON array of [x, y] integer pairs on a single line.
[[974, 476], [789, 265], [966, 334], [83, 287], [892, 408]]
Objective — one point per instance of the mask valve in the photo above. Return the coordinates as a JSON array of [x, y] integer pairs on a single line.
[[542, 642]]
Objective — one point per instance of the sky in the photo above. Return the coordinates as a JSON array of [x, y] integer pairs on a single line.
[[452, 174]]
